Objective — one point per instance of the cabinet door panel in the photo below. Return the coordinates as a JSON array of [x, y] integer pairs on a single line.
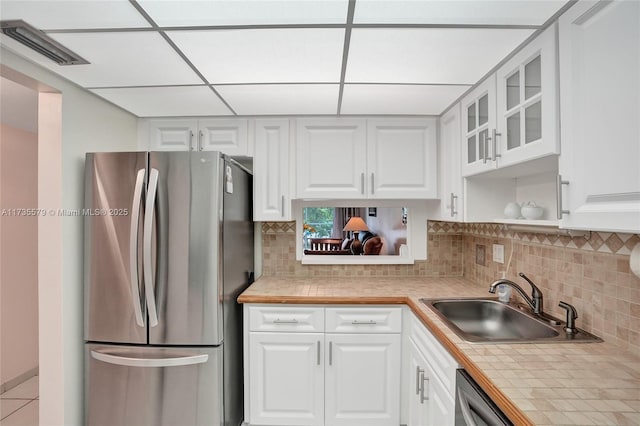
[[331, 158], [418, 407], [449, 167], [401, 158], [225, 135], [271, 198], [362, 380], [600, 100], [286, 373], [478, 121], [172, 135], [527, 113]]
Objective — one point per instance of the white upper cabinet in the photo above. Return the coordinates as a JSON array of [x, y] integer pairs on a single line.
[[512, 116], [451, 204], [227, 135], [478, 123], [331, 157], [172, 135], [401, 158], [527, 99], [600, 110], [357, 158], [271, 195]]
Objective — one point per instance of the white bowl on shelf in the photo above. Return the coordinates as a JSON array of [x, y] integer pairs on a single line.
[[531, 212]]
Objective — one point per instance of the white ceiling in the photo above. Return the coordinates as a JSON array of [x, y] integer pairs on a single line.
[[280, 57]]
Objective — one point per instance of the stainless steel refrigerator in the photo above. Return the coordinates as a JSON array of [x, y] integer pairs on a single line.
[[168, 249]]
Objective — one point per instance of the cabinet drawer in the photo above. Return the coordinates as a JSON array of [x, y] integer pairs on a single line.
[[286, 318], [364, 320], [443, 364]]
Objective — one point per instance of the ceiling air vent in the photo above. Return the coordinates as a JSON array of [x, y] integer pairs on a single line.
[[40, 42]]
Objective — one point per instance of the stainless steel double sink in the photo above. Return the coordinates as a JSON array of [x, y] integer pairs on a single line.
[[490, 321]]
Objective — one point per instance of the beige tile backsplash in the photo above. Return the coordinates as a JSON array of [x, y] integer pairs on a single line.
[[590, 273]]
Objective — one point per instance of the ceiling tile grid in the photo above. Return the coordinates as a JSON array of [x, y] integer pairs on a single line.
[[280, 57], [264, 56], [166, 101], [282, 99], [399, 99]]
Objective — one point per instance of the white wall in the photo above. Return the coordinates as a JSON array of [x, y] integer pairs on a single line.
[[88, 124], [19, 245]]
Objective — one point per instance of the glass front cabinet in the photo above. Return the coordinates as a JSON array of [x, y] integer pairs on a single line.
[[512, 116], [478, 123], [527, 102]]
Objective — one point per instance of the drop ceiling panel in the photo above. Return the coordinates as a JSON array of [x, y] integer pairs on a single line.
[[264, 56], [433, 56], [74, 14], [166, 101], [123, 59], [257, 12], [398, 99], [478, 12], [285, 99]]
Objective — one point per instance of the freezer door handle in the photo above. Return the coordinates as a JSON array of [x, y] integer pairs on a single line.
[[150, 362], [133, 248], [147, 253]]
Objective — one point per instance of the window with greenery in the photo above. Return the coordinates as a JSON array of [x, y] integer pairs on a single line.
[[318, 221]]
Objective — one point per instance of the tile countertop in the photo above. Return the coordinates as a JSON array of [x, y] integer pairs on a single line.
[[534, 384]]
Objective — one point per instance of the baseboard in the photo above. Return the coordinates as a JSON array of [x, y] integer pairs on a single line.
[[12, 383]]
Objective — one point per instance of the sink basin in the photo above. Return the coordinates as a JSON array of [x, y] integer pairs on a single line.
[[488, 320]]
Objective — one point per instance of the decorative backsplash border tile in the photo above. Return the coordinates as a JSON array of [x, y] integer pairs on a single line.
[[602, 242], [279, 227]]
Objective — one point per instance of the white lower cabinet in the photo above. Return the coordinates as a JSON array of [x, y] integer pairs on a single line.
[[430, 379], [305, 373], [287, 379], [362, 383]]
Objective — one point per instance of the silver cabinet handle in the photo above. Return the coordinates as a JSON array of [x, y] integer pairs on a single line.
[[419, 371], [362, 183], [330, 353], [559, 183], [453, 207], [424, 398], [368, 322], [494, 141], [279, 321], [191, 147], [146, 247], [133, 248], [150, 362], [282, 206], [373, 187], [200, 136], [485, 147], [318, 356]]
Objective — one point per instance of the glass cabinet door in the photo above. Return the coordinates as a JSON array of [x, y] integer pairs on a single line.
[[522, 83], [478, 122], [523, 98]]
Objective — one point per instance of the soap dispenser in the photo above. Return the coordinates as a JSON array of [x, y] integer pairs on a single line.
[[504, 291]]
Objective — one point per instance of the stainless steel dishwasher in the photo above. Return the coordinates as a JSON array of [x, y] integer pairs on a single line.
[[473, 406]]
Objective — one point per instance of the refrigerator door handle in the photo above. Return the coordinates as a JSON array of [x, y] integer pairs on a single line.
[[146, 247], [150, 362], [133, 247]]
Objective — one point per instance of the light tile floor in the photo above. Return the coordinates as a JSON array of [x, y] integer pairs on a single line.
[[19, 405]]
